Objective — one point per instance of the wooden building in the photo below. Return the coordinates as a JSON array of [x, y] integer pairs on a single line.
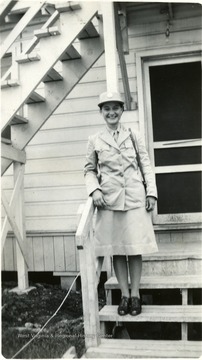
[[57, 57]]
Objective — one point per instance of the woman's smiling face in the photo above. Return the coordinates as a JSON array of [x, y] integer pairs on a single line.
[[111, 112]]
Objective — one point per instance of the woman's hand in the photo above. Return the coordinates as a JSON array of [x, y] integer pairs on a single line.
[[98, 198], [150, 203]]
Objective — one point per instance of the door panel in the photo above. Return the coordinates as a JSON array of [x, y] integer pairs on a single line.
[[175, 132]]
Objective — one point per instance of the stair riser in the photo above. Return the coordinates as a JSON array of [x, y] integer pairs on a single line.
[[172, 267]]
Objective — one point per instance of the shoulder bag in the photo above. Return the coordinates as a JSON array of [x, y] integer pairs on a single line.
[[138, 158]]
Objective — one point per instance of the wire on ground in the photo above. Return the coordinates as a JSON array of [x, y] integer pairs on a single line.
[[34, 337]]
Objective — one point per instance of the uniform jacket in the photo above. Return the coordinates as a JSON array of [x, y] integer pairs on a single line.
[[112, 167]]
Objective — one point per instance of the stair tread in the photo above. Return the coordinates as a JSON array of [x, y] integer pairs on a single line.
[[10, 83], [155, 313], [64, 6], [18, 119], [6, 141], [35, 98], [160, 282], [145, 348], [71, 53], [159, 344], [88, 31], [52, 75]]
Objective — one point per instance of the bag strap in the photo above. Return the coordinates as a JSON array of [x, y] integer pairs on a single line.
[[137, 154]]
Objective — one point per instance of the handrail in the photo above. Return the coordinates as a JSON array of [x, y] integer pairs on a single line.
[[85, 223], [85, 245]]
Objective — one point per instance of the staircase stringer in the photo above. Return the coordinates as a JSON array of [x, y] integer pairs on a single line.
[[23, 22], [56, 92], [76, 21]]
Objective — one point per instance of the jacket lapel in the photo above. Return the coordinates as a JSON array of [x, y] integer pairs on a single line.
[[123, 135], [106, 137]]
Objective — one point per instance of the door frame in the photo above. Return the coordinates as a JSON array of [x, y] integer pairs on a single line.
[[144, 60]]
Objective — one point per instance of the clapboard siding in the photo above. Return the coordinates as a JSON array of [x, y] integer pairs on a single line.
[[175, 39], [48, 180], [56, 194], [49, 209], [60, 223], [93, 89], [65, 135], [87, 119]]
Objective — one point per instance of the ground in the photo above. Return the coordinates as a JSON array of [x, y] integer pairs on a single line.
[[24, 315]]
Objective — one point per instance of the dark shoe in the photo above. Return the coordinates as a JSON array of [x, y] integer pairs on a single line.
[[123, 308], [135, 306]]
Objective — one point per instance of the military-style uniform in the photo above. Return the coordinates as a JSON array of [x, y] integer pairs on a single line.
[[124, 226]]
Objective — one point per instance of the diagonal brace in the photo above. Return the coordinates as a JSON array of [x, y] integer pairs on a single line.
[[12, 205], [9, 207]]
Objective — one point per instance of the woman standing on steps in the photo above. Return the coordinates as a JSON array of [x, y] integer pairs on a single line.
[[123, 225]]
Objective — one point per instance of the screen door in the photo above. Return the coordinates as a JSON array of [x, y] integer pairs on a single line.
[[175, 130]]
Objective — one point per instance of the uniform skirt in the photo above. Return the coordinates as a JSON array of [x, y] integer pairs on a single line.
[[124, 233]]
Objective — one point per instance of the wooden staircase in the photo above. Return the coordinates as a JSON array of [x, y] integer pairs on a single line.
[[69, 43], [99, 336]]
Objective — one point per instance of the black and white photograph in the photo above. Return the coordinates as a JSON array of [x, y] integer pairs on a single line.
[[101, 216]]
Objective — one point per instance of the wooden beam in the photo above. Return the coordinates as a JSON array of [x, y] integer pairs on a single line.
[[67, 6], [85, 244], [122, 61], [28, 16], [84, 224], [170, 10], [14, 226], [124, 26], [23, 58], [9, 152], [12, 205], [110, 46], [5, 7], [22, 264]]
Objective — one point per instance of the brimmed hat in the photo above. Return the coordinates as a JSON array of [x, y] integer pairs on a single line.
[[110, 96]]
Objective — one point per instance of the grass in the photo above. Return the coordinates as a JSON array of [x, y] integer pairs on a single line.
[[23, 315]]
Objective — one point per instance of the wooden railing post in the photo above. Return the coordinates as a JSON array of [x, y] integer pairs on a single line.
[[85, 245]]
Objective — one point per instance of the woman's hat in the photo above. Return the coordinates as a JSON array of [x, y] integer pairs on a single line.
[[110, 96]]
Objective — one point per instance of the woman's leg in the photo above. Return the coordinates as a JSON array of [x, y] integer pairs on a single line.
[[121, 271], [135, 270]]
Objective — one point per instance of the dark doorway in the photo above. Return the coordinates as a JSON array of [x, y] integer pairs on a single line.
[[176, 121]]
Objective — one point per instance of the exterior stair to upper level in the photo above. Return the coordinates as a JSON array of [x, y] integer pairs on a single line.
[[69, 43]]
